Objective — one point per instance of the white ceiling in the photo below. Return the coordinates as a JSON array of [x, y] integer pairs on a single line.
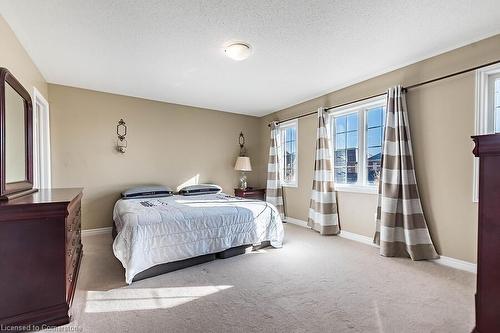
[[173, 50]]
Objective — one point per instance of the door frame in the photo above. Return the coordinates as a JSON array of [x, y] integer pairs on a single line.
[[41, 138]]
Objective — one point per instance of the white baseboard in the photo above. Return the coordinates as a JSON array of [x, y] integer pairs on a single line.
[[456, 263], [296, 222], [97, 231], [357, 237], [443, 260]]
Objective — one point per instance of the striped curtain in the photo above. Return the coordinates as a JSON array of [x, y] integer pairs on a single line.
[[401, 229], [323, 205], [274, 191]]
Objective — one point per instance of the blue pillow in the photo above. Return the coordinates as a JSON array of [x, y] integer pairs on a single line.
[[200, 189], [147, 191]]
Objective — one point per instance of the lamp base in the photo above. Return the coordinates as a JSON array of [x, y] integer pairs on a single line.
[[243, 181]]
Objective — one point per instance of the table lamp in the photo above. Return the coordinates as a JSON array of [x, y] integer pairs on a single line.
[[243, 164]]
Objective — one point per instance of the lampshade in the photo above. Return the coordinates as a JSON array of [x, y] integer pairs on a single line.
[[243, 164]]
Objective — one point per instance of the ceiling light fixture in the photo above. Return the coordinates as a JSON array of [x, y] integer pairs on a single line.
[[238, 51]]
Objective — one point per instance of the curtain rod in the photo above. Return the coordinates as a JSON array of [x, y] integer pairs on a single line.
[[405, 89]]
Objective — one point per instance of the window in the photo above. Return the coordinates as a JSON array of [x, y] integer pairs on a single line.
[[357, 134], [487, 110], [289, 159]]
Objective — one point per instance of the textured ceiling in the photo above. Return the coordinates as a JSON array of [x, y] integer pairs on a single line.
[[173, 50]]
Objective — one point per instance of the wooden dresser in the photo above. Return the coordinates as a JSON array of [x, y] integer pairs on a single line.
[[40, 253], [488, 252]]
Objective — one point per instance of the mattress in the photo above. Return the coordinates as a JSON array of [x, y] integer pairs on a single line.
[[161, 230]]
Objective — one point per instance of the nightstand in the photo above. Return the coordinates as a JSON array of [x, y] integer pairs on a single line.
[[251, 193]]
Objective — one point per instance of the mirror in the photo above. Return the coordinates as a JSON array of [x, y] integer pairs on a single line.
[[15, 138]]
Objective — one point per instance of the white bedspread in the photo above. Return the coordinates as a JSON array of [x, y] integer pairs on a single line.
[[160, 230]]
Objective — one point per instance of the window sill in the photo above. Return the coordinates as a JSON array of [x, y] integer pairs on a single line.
[[357, 189], [289, 185]]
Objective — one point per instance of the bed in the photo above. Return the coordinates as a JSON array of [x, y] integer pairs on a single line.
[[157, 235]]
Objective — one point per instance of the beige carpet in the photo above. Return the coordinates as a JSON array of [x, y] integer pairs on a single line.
[[313, 284]]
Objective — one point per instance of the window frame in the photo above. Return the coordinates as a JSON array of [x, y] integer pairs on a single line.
[[294, 123], [362, 186], [484, 113]]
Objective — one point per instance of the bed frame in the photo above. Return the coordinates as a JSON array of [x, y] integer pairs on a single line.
[[180, 264]]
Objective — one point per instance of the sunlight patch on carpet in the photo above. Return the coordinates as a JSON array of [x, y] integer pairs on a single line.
[[128, 299]]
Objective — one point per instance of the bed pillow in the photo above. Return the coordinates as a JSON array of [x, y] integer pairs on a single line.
[[147, 191], [200, 189]]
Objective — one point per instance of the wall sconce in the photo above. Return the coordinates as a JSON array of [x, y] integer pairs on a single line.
[[241, 140], [121, 132]]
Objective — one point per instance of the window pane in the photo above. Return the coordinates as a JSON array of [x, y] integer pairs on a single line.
[[352, 166], [374, 153], [340, 124], [374, 117], [373, 172], [374, 137], [340, 175], [352, 122], [352, 156], [352, 175], [340, 158], [290, 134], [289, 160], [340, 141], [373, 160], [352, 139], [289, 147]]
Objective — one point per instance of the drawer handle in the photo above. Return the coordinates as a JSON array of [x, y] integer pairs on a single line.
[[70, 229]]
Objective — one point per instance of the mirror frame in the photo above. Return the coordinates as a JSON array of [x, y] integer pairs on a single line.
[[11, 189]]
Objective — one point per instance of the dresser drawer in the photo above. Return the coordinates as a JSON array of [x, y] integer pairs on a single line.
[[251, 193], [72, 271], [73, 226], [72, 246], [71, 264], [74, 215], [74, 208]]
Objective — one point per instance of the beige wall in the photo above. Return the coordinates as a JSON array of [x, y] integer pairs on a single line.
[[442, 121], [18, 62], [167, 144]]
